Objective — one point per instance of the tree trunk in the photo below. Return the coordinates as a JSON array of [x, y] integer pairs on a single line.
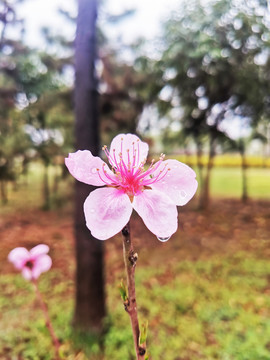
[[46, 188], [56, 179], [205, 190], [244, 175], [90, 298], [3, 186], [199, 163]]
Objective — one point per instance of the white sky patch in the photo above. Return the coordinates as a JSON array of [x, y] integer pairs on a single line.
[[44, 13], [144, 23], [236, 127]]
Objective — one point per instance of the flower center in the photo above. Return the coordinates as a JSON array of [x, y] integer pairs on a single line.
[[29, 264], [129, 174]]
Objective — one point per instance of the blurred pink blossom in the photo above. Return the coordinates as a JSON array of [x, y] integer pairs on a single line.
[[153, 193], [31, 263]]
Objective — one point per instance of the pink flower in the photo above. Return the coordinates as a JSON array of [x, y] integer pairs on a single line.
[[153, 193], [31, 263]]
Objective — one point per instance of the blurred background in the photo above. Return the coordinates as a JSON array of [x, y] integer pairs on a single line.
[[191, 78]]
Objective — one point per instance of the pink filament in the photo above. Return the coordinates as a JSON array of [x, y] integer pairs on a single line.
[[130, 176]]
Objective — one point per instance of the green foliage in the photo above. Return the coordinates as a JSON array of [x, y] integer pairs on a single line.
[[123, 291], [143, 332], [215, 66]]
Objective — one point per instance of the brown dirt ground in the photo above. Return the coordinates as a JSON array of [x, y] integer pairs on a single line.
[[226, 227]]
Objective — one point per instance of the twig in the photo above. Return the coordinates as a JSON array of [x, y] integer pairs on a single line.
[[49, 325], [130, 258]]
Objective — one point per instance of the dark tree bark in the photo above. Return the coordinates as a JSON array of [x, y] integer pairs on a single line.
[[205, 190], [244, 173], [3, 187], [90, 299], [46, 188], [199, 161]]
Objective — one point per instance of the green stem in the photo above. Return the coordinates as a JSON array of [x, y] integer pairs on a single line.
[[49, 325], [130, 258]]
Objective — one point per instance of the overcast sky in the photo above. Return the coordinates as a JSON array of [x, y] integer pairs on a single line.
[[146, 21]]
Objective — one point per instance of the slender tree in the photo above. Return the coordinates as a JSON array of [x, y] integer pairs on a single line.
[[215, 65], [90, 301]]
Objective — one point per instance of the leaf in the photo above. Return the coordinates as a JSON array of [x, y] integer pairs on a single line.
[[123, 291], [143, 332]]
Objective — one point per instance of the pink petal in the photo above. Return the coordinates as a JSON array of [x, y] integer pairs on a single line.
[[107, 211], [18, 257], [179, 183], [158, 212], [42, 264], [39, 250], [83, 166], [123, 142], [27, 273]]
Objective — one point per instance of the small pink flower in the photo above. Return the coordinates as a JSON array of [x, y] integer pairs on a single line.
[[31, 263], [153, 193]]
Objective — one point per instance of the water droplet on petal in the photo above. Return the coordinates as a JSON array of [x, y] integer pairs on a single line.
[[163, 239], [94, 170], [92, 211], [183, 194]]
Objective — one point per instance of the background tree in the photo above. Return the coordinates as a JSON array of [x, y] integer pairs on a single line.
[[90, 299], [216, 63]]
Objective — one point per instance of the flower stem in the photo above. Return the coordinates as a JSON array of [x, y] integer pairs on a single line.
[[44, 307], [130, 258]]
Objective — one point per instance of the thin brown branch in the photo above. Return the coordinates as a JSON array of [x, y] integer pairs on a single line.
[[130, 258]]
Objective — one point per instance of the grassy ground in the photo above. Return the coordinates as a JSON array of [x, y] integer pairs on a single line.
[[205, 293]]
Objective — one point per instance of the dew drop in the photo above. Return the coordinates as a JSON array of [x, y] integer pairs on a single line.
[[94, 170], [163, 239], [183, 194], [92, 211]]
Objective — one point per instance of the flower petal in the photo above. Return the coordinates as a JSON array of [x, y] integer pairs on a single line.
[[18, 257], [39, 250], [83, 166], [27, 273], [158, 212], [107, 211], [179, 183], [42, 264], [123, 143]]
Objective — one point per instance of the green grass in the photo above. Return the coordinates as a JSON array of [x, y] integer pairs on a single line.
[[227, 182], [213, 309], [217, 307]]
